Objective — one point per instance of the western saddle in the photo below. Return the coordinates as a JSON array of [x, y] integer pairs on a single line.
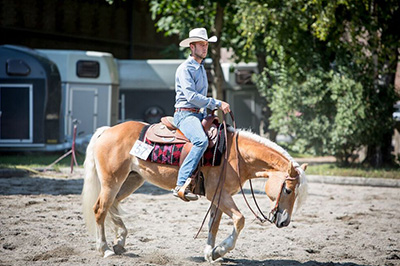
[[166, 132]]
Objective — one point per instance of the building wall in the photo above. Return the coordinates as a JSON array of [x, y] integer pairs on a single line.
[[124, 28]]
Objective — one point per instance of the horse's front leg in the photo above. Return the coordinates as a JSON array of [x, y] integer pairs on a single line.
[[215, 218], [228, 206]]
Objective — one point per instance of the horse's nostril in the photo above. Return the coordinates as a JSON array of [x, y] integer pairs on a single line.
[[286, 222], [283, 219]]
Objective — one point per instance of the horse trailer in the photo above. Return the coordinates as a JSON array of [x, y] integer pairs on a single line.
[[90, 89], [147, 89], [30, 101], [243, 96], [44, 93]]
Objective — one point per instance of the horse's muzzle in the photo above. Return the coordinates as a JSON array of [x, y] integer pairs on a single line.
[[282, 219]]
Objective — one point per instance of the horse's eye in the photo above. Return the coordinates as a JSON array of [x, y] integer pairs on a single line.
[[287, 191]]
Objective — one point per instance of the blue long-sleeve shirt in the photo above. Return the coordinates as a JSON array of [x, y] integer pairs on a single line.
[[191, 86]]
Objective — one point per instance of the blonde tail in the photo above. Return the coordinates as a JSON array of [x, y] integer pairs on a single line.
[[91, 185]]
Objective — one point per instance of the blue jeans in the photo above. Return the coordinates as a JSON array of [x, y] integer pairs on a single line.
[[190, 125]]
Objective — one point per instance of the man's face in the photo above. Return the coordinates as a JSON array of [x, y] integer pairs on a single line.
[[200, 49]]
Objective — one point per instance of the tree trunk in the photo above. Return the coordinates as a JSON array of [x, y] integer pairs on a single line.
[[265, 129], [217, 85]]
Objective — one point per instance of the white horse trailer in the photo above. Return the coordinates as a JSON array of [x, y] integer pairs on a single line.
[[90, 88], [147, 89]]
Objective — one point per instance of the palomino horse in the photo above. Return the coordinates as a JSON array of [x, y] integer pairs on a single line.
[[112, 174]]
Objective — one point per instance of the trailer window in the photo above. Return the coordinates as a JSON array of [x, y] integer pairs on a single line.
[[87, 69], [243, 77], [17, 67]]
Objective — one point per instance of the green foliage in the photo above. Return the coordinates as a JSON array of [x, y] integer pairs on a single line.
[[329, 70], [179, 17]]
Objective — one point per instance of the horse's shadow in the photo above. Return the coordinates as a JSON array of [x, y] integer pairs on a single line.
[[151, 189], [272, 262], [35, 185]]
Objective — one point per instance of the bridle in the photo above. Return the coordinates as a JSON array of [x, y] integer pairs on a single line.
[[272, 214]]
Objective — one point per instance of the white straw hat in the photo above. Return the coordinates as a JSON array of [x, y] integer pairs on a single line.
[[197, 35]]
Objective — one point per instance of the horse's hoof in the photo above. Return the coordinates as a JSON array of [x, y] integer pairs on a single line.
[[108, 253], [208, 255], [118, 249], [215, 257]]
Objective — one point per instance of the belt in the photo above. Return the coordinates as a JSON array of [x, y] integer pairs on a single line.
[[193, 110]]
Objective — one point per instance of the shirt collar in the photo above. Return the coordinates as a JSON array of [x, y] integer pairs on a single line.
[[196, 64]]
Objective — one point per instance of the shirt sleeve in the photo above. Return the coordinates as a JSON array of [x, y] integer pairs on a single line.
[[192, 96]]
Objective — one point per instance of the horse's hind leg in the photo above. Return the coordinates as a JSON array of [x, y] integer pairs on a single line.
[[215, 219], [103, 204], [119, 229], [133, 182]]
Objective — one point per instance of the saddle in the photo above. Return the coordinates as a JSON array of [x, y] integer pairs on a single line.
[[167, 133]]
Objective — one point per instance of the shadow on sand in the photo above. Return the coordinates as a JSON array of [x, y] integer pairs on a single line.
[[272, 262], [31, 185]]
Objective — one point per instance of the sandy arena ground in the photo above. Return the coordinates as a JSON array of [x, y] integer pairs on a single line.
[[41, 224]]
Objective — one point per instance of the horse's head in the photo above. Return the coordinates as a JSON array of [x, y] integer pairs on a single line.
[[283, 189]]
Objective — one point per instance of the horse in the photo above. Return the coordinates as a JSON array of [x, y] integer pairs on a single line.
[[112, 174]]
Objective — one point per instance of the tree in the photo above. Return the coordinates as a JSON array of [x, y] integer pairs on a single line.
[[329, 71]]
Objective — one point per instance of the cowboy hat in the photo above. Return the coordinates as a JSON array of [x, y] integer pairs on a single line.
[[197, 35]]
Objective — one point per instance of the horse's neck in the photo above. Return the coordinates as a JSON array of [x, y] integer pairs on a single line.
[[261, 157]]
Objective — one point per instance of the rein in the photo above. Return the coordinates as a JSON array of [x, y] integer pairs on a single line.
[[271, 216], [222, 177]]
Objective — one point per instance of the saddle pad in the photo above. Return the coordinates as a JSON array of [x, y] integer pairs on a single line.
[[170, 153]]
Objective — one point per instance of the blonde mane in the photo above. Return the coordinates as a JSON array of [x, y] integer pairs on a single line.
[[268, 143], [302, 190]]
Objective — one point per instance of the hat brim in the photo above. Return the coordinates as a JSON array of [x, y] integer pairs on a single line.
[[188, 41]]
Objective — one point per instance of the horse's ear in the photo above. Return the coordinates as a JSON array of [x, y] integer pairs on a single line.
[[304, 166], [291, 170]]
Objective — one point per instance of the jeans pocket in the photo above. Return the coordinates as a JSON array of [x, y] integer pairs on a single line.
[[179, 116]]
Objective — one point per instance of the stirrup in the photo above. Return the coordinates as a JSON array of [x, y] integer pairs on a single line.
[[183, 189]]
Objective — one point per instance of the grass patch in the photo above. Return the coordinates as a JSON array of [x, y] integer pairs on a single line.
[[334, 170], [37, 160]]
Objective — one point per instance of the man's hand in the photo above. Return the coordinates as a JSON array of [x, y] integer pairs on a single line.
[[225, 107]]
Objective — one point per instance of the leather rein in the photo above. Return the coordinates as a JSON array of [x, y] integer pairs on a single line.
[[272, 214]]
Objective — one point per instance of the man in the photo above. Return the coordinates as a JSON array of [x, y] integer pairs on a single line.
[[191, 101]]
